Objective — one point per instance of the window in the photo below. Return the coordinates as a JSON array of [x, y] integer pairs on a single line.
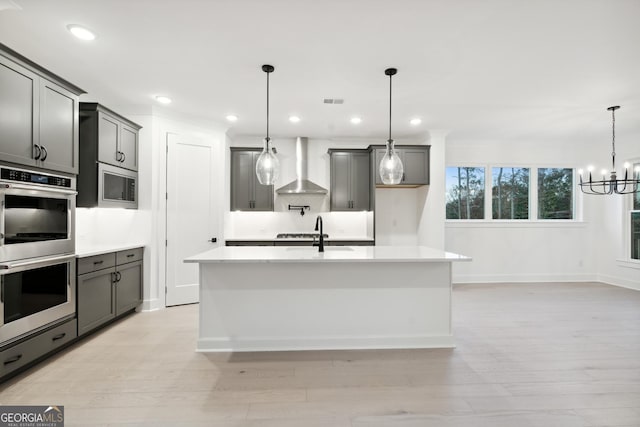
[[635, 235], [555, 193], [465, 193], [510, 193]]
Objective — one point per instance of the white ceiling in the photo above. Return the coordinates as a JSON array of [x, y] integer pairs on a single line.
[[502, 70]]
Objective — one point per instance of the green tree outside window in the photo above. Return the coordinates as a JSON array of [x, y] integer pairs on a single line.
[[465, 193], [555, 193], [510, 198]]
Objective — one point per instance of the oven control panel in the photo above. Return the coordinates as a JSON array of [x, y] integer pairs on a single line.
[[18, 175]]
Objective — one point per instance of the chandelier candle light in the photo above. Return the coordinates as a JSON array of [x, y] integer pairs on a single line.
[[611, 185], [267, 165], [391, 169]]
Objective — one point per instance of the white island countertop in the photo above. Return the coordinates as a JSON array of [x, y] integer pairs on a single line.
[[350, 254]]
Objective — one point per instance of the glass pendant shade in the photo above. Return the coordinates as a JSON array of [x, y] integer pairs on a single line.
[[391, 169], [267, 165]]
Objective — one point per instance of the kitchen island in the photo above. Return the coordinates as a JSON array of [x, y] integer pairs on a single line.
[[348, 297]]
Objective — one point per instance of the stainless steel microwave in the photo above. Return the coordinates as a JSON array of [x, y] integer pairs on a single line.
[[108, 187]]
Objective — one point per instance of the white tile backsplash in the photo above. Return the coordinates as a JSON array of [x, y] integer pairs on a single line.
[[267, 224]]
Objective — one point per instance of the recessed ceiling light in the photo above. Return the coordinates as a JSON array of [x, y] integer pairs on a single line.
[[163, 99], [356, 120], [232, 118], [81, 32], [415, 122], [294, 119]]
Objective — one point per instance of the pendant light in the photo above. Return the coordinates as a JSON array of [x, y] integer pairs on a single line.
[[612, 184], [267, 165], [391, 169]]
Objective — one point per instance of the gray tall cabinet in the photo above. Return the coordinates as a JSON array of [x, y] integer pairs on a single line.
[[38, 115], [350, 180], [247, 194]]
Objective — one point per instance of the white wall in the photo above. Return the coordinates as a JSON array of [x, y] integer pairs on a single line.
[[524, 251], [613, 234]]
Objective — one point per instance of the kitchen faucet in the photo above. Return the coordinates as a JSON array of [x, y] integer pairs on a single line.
[[321, 242]]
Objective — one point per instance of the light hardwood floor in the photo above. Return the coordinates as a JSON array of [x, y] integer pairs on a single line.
[[528, 355]]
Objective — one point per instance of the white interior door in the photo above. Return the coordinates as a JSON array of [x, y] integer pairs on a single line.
[[192, 218]]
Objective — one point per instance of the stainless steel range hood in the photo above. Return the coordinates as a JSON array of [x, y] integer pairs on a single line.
[[301, 185]]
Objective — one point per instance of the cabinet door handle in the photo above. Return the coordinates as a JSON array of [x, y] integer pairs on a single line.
[[114, 277], [131, 255], [119, 276], [59, 336], [38, 152], [117, 156], [12, 359], [403, 176], [45, 153], [124, 157], [98, 262]]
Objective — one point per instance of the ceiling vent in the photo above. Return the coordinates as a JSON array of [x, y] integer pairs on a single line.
[[333, 101]]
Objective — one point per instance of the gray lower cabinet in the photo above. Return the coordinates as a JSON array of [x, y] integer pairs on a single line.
[[36, 347], [109, 285], [247, 194], [38, 115], [415, 160], [350, 180]]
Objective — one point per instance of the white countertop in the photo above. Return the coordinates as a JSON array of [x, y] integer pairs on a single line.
[[287, 239], [284, 254], [85, 250]]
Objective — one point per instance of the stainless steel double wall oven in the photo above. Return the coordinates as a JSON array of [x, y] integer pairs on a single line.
[[37, 246]]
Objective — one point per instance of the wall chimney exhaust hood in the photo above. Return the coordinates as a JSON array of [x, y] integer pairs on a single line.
[[301, 185]]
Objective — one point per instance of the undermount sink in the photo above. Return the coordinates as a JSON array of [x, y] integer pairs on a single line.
[[315, 248]]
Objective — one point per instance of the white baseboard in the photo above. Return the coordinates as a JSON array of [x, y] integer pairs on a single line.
[[151, 305], [619, 281], [522, 278], [323, 343]]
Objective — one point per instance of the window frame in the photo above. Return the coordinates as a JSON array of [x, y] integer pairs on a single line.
[[630, 209]]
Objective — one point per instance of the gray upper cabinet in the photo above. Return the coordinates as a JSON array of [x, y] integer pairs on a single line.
[[58, 128], [350, 183], [38, 115], [415, 160], [18, 108], [115, 136], [247, 194]]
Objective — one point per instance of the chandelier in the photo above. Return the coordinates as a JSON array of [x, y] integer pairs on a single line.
[[628, 185]]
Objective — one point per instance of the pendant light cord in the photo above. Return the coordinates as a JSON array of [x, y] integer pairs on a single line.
[[613, 140], [390, 76], [268, 107]]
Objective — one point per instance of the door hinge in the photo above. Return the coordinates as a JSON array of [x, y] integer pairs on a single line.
[[165, 290], [166, 243], [166, 196]]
